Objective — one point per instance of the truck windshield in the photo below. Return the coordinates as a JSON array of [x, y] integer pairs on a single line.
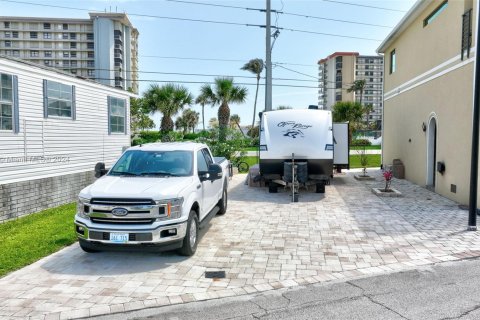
[[154, 163]]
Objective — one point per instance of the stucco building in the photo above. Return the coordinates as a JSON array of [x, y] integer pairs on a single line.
[[428, 95]]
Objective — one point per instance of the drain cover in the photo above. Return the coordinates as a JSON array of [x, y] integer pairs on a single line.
[[214, 274]]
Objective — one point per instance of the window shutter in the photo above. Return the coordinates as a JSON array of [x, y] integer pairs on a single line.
[[74, 104], [108, 115], [16, 119], [125, 119], [45, 99]]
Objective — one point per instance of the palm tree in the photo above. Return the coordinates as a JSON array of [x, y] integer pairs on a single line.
[[191, 119], [213, 123], [181, 123], [203, 100], [167, 99], [234, 121], [254, 66], [357, 86], [223, 93]]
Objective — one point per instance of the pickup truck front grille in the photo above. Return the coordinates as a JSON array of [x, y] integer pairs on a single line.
[[96, 235], [122, 220], [122, 202]]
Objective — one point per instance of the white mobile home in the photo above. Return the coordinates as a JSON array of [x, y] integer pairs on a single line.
[[54, 127]]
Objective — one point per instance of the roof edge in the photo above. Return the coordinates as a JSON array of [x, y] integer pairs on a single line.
[[409, 17]]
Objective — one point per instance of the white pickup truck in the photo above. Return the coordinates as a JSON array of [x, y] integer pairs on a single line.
[[157, 195]]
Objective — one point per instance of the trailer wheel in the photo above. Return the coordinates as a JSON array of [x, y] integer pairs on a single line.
[[320, 187], [272, 187]]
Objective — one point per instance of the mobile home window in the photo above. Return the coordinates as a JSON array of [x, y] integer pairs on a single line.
[[393, 61], [59, 99], [6, 102], [117, 115], [435, 13]]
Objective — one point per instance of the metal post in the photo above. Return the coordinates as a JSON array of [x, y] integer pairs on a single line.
[[268, 62], [472, 209]]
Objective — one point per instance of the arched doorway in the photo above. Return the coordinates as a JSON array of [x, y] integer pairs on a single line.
[[431, 152]]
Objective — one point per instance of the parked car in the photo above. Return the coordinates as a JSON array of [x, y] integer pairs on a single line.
[[157, 195]]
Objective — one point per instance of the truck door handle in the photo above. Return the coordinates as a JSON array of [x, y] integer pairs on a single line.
[[199, 186]]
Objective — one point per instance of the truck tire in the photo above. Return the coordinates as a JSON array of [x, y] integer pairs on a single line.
[[85, 247], [223, 202], [191, 237]]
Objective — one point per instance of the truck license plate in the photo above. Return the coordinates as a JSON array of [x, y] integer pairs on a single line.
[[119, 237]]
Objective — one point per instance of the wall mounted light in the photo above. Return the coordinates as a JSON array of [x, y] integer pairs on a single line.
[[424, 127]]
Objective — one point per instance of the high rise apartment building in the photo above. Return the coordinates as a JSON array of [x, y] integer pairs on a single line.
[[337, 73], [103, 48]]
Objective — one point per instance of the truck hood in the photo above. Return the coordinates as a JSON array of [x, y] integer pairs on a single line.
[[137, 187]]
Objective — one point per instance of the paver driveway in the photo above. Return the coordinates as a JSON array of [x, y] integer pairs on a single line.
[[263, 242]]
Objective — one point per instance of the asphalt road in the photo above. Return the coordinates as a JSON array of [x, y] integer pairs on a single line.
[[448, 290]]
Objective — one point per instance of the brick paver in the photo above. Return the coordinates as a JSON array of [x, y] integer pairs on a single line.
[[264, 242]]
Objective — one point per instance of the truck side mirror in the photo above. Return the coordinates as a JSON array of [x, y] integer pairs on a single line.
[[215, 172], [100, 170]]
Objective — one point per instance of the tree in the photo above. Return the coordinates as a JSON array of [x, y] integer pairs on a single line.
[[187, 121], [202, 100], [222, 93], [139, 119], [191, 118], [213, 123], [367, 109], [167, 99], [255, 66], [352, 112], [357, 86], [234, 121], [283, 108], [181, 124]]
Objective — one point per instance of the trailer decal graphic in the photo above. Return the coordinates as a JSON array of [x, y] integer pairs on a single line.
[[294, 129]]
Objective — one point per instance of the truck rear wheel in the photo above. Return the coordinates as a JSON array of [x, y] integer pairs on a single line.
[[223, 202], [191, 237]]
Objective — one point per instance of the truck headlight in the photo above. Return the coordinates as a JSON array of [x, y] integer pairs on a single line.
[[169, 209], [83, 208]]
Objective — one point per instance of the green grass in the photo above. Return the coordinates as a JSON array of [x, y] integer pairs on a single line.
[[251, 160], [28, 239], [374, 160], [379, 147], [250, 149]]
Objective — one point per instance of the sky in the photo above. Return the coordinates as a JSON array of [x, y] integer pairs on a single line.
[[168, 47]]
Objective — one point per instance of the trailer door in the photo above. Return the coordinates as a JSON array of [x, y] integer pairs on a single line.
[[340, 145]]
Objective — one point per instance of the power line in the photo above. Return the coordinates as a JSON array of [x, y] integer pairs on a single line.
[[281, 12], [203, 21], [291, 70], [220, 59], [206, 75], [363, 5], [209, 82], [335, 20]]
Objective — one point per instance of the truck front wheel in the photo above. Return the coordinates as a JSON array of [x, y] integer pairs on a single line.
[[85, 247], [191, 237], [222, 203]]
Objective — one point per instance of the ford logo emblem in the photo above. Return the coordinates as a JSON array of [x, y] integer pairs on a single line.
[[119, 212]]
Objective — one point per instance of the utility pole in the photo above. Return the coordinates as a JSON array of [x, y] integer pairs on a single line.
[[268, 62], [472, 205]]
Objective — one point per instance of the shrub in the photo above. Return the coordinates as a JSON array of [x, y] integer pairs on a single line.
[[228, 148], [171, 136], [361, 142], [191, 136]]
